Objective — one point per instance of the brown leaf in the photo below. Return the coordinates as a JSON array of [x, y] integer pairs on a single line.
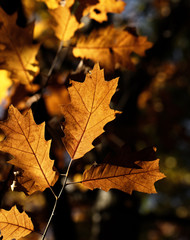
[[99, 11], [17, 52], [25, 141], [115, 173], [14, 224], [111, 47], [88, 111]]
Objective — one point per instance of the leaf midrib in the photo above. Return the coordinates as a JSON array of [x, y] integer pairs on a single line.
[[33, 151]]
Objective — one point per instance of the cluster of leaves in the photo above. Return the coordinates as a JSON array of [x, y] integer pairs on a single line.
[[84, 105]]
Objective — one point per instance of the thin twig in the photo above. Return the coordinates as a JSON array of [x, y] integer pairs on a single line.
[[56, 200], [55, 59]]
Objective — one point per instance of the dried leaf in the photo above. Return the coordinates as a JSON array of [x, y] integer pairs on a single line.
[[99, 11], [88, 111], [25, 141], [111, 47], [14, 224], [123, 175], [17, 52], [64, 23]]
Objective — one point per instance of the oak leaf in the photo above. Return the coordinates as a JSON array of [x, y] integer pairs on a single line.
[[88, 111], [99, 11], [25, 142], [111, 47], [127, 173], [63, 22], [14, 224], [17, 52]]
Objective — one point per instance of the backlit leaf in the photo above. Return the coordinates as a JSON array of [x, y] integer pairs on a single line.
[[111, 47], [122, 174], [25, 142], [17, 52], [63, 22], [88, 111], [14, 225]]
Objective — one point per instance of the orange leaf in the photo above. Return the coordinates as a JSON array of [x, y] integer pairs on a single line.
[[64, 23], [111, 47], [25, 141], [17, 52], [99, 11], [88, 111], [119, 173], [14, 224]]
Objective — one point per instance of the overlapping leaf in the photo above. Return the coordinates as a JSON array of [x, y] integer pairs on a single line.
[[63, 22], [17, 52], [25, 142], [14, 225], [129, 172], [111, 47], [88, 111]]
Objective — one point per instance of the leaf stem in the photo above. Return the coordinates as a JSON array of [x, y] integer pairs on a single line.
[[55, 59], [56, 200]]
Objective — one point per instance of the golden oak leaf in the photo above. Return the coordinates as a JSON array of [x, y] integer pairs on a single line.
[[14, 225], [17, 52], [111, 47], [122, 173], [88, 111], [25, 141], [63, 22], [99, 11]]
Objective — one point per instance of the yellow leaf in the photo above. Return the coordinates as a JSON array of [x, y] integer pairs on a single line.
[[63, 23], [111, 47], [88, 111], [14, 225], [99, 11], [5, 83], [25, 141], [52, 4], [17, 52], [121, 173]]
